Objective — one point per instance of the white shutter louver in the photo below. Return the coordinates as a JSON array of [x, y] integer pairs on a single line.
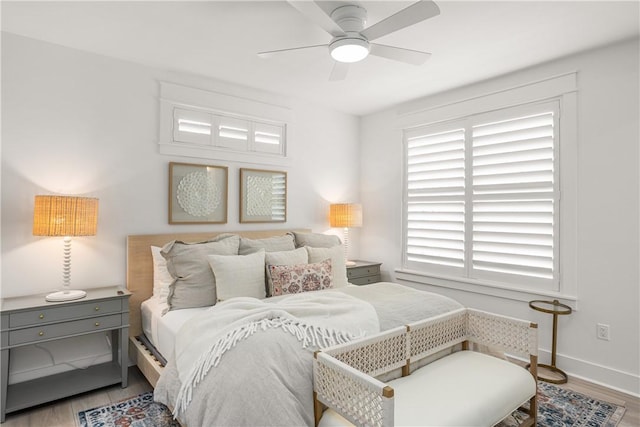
[[192, 126], [435, 215], [514, 197], [268, 138], [233, 133]]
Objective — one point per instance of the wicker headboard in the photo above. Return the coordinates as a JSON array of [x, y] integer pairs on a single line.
[[140, 264]]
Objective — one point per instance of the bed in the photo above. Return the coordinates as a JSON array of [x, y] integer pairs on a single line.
[[210, 364]]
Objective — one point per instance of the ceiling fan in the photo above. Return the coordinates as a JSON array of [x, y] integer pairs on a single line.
[[352, 42]]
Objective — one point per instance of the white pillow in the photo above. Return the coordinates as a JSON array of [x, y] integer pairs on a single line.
[[238, 275], [162, 279], [294, 257], [338, 265]]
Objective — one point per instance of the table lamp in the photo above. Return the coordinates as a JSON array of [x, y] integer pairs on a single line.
[[346, 215], [65, 216]]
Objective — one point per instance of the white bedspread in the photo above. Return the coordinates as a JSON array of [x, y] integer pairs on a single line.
[[316, 320], [267, 378]]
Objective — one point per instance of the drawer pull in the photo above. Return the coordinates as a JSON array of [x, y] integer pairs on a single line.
[[41, 333], [41, 316], [98, 308], [97, 323]]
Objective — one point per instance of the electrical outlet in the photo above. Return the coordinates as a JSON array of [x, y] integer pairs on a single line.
[[602, 332]]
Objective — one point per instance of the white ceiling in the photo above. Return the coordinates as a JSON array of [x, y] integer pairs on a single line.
[[470, 41]]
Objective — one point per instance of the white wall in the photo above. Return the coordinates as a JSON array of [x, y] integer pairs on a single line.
[[78, 123], [608, 211]]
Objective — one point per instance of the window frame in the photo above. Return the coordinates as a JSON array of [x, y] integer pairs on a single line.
[[561, 89]]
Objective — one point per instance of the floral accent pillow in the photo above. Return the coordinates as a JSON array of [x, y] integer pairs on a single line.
[[293, 279]]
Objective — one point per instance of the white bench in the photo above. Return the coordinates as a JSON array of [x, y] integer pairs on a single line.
[[462, 388]]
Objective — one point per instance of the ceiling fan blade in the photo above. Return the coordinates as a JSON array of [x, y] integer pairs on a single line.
[[409, 56], [270, 53], [413, 14], [339, 71], [313, 12]]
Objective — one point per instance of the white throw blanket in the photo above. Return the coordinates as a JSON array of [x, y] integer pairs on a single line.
[[316, 320]]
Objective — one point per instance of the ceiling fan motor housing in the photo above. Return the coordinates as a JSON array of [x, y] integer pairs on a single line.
[[352, 47], [350, 17]]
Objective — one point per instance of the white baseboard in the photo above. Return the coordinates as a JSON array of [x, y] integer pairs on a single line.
[[624, 382]]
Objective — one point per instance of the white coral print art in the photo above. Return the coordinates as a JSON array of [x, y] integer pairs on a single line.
[[259, 195], [199, 194]]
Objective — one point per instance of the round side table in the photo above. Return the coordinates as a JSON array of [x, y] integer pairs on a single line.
[[556, 308]]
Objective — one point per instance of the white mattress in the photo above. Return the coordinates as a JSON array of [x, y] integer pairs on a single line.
[[162, 330]]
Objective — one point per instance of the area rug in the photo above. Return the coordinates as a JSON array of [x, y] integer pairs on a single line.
[[557, 407], [138, 411]]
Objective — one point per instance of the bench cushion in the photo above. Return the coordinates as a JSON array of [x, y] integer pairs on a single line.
[[463, 389]]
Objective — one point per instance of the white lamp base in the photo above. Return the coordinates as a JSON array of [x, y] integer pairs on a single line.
[[66, 295]]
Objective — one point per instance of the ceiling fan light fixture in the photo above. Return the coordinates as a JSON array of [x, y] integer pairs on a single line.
[[349, 49]]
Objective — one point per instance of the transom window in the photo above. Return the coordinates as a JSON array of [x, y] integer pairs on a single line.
[[227, 132], [212, 125]]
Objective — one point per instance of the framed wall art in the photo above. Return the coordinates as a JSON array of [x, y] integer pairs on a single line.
[[263, 195], [197, 194]]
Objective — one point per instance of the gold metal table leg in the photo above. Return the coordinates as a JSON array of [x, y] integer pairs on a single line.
[[555, 375]]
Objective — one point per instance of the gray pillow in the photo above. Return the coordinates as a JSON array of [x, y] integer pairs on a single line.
[[315, 240], [194, 284], [269, 244]]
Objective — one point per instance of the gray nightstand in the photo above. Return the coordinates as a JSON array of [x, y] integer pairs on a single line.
[[31, 320], [363, 272]]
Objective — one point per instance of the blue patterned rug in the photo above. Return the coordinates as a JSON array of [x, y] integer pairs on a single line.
[[557, 407], [139, 411]]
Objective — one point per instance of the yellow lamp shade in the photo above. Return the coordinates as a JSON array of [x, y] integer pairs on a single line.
[[345, 215], [65, 216]]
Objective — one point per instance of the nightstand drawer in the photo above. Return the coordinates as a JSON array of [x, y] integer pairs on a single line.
[[39, 333], [356, 272], [365, 280], [63, 312]]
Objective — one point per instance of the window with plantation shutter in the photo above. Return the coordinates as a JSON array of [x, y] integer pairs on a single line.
[[268, 138], [435, 198], [514, 197], [482, 198], [233, 133], [192, 126]]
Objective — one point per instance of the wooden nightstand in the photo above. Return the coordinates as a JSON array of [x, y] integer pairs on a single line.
[[31, 320], [363, 272]]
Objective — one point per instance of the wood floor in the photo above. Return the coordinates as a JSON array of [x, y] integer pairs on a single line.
[[63, 413], [631, 416]]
